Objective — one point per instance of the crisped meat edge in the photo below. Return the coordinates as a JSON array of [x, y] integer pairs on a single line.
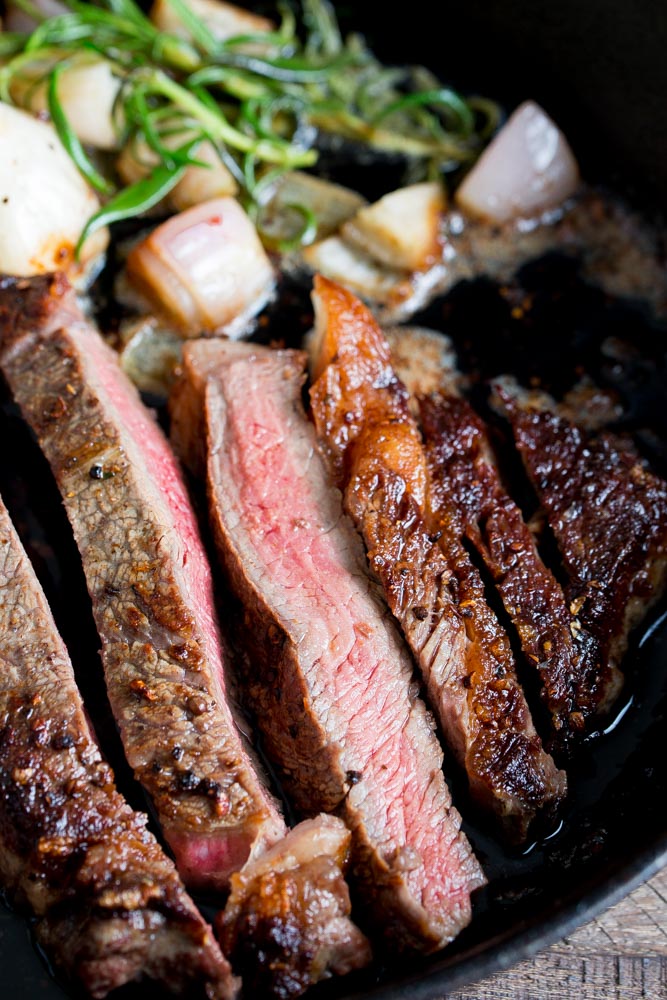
[[286, 923], [606, 509], [148, 578], [375, 454], [577, 686], [109, 905]]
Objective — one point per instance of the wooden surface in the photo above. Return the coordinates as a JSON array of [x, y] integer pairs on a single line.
[[620, 956]]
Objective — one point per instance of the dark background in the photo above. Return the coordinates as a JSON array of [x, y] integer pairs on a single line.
[[599, 66]]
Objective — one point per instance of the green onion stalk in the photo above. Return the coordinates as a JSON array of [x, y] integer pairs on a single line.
[[260, 99]]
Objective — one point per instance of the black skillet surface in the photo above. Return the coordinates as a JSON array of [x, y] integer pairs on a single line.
[[599, 72]]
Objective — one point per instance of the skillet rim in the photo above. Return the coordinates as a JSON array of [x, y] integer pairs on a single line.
[[500, 954]]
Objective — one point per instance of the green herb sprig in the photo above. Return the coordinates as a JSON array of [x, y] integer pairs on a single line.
[[261, 99]]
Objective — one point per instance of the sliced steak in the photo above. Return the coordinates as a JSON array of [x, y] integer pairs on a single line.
[[425, 361], [607, 511], [329, 679], [577, 685], [109, 905], [376, 455], [286, 923], [148, 578]]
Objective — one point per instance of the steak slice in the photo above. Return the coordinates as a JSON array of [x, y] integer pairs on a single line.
[[148, 579], [329, 680], [286, 923], [376, 455], [109, 905], [577, 685], [607, 511]]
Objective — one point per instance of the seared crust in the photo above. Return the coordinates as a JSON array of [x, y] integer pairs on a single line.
[[147, 577], [376, 455], [607, 511], [577, 685], [286, 922], [110, 907]]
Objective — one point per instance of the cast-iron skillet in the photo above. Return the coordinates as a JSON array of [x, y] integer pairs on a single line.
[[599, 68]]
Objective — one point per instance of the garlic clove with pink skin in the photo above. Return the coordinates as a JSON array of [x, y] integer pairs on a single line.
[[527, 169], [204, 269]]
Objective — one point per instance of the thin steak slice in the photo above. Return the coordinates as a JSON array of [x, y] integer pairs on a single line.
[[147, 576], [607, 511], [109, 905], [329, 679], [286, 924], [376, 456], [577, 685]]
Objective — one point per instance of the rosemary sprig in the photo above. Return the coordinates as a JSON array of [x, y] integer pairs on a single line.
[[69, 138], [138, 197], [261, 98]]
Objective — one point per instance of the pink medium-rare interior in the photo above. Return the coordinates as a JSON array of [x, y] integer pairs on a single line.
[[272, 487], [206, 862]]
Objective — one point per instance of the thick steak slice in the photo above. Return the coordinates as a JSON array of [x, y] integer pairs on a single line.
[[109, 905], [577, 685], [286, 923], [148, 578], [330, 681], [607, 511], [376, 455]]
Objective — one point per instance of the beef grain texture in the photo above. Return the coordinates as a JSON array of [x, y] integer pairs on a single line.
[[329, 679], [376, 456], [109, 905], [577, 686], [148, 579]]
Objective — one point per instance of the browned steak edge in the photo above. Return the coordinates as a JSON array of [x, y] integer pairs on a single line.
[[607, 511], [577, 685], [109, 905], [159, 635], [376, 455]]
